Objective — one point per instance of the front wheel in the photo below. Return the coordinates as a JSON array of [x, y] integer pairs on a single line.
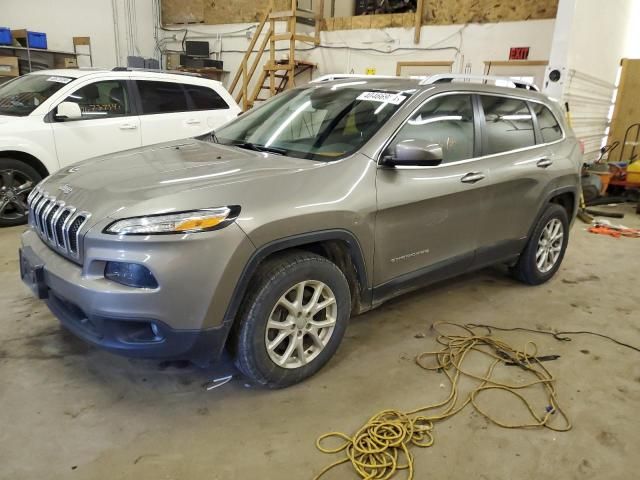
[[293, 319], [541, 258], [17, 179]]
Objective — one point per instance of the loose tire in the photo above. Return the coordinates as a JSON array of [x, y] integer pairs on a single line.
[[17, 179], [541, 258], [292, 320]]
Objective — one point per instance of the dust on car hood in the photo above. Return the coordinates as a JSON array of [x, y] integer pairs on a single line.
[[173, 176]]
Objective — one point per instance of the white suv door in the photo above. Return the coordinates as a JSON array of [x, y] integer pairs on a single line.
[[172, 110], [109, 122]]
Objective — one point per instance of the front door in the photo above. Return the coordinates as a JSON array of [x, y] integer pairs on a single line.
[[108, 124], [428, 217]]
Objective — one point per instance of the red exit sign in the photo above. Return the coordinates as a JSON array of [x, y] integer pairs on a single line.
[[518, 53]]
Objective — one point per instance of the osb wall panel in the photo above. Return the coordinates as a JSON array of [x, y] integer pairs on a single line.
[[214, 12], [182, 11], [436, 12], [447, 12]]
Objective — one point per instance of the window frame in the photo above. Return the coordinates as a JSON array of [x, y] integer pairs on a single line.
[[133, 103], [485, 140], [479, 128], [476, 131]]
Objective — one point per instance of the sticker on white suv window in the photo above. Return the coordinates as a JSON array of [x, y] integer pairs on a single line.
[[59, 80], [382, 97]]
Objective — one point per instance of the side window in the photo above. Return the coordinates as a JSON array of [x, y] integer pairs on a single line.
[[102, 99], [508, 124], [162, 97], [549, 127], [447, 121], [204, 98]]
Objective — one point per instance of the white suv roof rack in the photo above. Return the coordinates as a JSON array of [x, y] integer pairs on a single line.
[[342, 76], [462, 77]]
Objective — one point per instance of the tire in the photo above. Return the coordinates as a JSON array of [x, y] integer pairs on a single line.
[[275, 285], [17, 179], [528, 270]]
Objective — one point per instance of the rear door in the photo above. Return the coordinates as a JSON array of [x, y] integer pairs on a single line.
[[109, 122], [165, 113], [428, 217], [517, 160]]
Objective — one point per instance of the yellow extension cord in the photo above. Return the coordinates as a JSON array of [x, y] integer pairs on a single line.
[[380, 448]]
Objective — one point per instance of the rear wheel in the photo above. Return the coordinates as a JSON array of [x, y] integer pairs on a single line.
[[541, 258], [293, 319], [17, 179]]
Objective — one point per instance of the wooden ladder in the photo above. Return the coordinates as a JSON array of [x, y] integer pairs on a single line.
[[277, 74]]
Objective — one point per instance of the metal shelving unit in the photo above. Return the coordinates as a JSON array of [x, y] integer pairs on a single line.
[[77, 41]]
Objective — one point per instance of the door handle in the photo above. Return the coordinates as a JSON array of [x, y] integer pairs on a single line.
[[472, 177], [544, 163], [192, 121], [128, 126]]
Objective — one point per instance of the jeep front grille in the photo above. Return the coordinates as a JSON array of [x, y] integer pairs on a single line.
[[59, 225]]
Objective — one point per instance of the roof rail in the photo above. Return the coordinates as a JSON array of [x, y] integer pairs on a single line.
[[342, 76], [154, 70], [461, 77]]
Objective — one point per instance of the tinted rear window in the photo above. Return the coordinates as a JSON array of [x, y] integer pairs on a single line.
[[162, 97], [204, 98], [508, 124], [549, 127]]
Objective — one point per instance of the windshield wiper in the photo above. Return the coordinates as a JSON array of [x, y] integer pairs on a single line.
[[260, 148]]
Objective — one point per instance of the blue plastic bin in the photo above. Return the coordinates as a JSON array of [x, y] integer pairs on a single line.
[[36, 39], [5, 36]]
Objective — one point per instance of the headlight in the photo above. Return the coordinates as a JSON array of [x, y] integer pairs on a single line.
[[183, 222]]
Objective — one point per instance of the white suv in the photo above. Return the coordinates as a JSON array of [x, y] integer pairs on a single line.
[[53, 118]]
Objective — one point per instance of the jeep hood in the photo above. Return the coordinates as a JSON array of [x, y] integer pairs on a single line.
[[175, 176]]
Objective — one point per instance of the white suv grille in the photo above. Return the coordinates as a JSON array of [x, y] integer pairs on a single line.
[[59, 225]]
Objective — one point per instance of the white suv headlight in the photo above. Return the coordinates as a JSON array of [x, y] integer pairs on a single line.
[[183, 222]]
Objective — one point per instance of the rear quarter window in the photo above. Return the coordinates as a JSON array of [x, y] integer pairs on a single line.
[[549, 127]]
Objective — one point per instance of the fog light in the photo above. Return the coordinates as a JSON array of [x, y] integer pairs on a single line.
[[130, 274]]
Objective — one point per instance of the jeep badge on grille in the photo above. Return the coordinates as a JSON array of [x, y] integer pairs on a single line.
[[66, 189]]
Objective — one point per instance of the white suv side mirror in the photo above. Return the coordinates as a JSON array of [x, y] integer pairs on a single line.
[[68, 111]]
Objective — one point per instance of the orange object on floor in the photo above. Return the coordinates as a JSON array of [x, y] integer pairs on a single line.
[[615, 232]]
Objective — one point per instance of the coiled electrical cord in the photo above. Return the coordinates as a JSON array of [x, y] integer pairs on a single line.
[[380, 448]]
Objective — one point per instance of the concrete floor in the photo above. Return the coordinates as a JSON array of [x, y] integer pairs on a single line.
[[70, 411]]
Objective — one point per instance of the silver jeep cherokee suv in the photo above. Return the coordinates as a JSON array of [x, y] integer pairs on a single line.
[[320, 204]]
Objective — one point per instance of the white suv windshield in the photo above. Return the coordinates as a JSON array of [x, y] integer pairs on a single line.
[[318, 123], [23, 95]]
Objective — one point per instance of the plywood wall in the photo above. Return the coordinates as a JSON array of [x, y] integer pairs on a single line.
[[436, 12], [216, 12], [447, 12], [627, 109]]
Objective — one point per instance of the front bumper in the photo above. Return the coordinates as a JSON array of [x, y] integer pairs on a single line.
[[175, 320]]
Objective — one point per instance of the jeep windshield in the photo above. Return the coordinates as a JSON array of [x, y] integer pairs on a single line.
[[318, 123], [23, 95]]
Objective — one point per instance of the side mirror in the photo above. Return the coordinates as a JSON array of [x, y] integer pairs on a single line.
[[68, 111], [415, 153]]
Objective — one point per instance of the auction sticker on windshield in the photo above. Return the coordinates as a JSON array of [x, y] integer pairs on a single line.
[[64, 80], [383, 97]]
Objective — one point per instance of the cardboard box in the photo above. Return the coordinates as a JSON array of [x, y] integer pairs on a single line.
[[9, 67], [66, 62]]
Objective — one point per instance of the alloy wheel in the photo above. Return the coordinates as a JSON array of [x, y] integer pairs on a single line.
[[14, 189], [549, 245], [301, 324]]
